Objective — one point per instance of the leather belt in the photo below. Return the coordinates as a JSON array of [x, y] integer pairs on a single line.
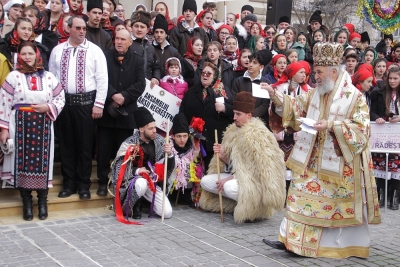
[[80, 99]]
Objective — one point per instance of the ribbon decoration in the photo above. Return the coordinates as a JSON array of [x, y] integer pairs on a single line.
[[384, 19]]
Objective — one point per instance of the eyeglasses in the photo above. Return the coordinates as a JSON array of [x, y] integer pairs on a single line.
[[80, 28], [224, 33], [207, 74], [120, 10], [272, 33]]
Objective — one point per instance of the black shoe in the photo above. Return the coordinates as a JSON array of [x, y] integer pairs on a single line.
[[66, 193], [42, 203], [275, 244], [84, 194], [137, 210], [102, 191]]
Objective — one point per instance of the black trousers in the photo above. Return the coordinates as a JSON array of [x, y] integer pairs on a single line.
[[109, 141], [76, 133]]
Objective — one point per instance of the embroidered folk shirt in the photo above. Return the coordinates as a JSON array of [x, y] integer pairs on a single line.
[[81, 70]]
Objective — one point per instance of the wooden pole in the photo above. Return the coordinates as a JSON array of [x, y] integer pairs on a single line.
[[219, 178], [165, 174]]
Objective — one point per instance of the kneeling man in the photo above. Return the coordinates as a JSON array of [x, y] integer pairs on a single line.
[[253, 180]]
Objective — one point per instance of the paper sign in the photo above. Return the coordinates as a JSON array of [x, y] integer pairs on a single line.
[[307, 125], [220, 100], [161, 104], [385, 137], [258, 92]]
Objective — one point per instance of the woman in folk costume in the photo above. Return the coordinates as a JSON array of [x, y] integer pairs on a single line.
[[293, 82], [252, 179], [277, 67], [230, 52], [332, 196], [385, 104], [189, 168], [33, 98]]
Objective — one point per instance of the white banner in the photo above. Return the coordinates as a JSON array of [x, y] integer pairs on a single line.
[[162, 105], [385, 137]]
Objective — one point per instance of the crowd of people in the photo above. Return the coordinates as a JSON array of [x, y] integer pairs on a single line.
[[76, 77]]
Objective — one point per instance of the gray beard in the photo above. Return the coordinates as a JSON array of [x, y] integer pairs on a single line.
[[326, 87]]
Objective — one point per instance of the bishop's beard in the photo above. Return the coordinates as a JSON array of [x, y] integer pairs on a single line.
[[326, 87]]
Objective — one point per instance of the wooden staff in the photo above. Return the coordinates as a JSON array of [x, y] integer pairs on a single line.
[[219, 178], [165, 174]]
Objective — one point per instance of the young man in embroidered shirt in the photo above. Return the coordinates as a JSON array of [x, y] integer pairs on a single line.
[[332, 196], [181, 34]]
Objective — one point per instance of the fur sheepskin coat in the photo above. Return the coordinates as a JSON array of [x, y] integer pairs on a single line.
[[259, 168]]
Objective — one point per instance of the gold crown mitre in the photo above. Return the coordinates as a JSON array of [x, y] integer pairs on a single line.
[[327, 54]]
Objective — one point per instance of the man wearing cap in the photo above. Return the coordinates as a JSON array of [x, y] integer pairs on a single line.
[[95, 33], [150, 149], [332, 195], [284, 22], [81, 68], [142, 47], [163, 48], [181, 34], [252, 168], [246, 10], [124, 89], [189, 167], [247, 22], [254, 75], [315, 22]]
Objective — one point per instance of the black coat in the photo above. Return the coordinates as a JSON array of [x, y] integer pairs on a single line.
[[227, 76], [378, 105], [128, 79], [99, 37], [262, 104], [180, 36], [193, 105], [164, 54], [152, 67]]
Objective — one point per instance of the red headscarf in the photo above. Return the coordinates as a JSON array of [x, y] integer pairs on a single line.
[[170, 23], [273, 63], [189, 53], [23, 67], [350, 27], [77, 12], [354, 35], [179, 20], [262, 33], [240, 67], [290, 71], [61, 33], [224, 26], [199, 17], [364, 72]]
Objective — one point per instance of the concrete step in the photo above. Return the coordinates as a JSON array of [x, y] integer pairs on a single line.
[[12, 205]]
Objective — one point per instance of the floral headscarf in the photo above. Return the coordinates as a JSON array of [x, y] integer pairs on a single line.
[[230, 55], [25, 68], [40, 24], [61, 33], [240, 67], [15, 40], [190, 54]]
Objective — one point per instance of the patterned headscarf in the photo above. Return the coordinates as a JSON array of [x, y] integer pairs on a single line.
[[78, 12], [190, 54], [230, 55], [15, 40], [40, 24], [25, 68], [61, 33]]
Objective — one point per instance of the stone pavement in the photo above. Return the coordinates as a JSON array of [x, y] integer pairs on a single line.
[[189, 238]]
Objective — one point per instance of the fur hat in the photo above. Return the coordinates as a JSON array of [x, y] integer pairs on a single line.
[[190, 4], [180, 124], [365, 37], [161, 23], [381, 47], [264, 56], [316, 16], [244, 102], [141, 16], [94, 4], [390, 36], [251, 17], [284, 19], [248, 8], [142, 117], [327, 54]]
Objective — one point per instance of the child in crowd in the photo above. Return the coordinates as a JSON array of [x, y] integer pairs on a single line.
[[173, 82], [292, 56]]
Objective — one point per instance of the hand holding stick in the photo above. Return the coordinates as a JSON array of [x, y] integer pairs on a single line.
[[219, 178], [165, 174]]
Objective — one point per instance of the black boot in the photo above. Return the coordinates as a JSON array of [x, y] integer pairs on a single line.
[[26, 196], [395, 200], [137, 209], [42, 203]]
